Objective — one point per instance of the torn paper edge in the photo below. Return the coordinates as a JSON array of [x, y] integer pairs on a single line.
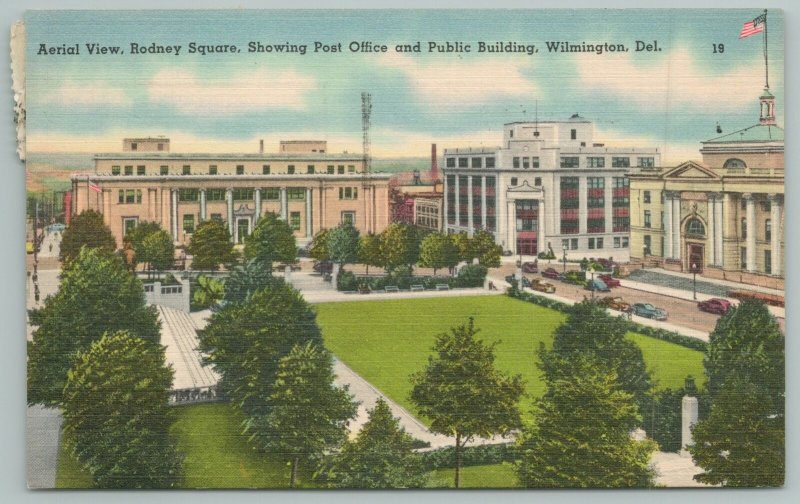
[[17, 44]]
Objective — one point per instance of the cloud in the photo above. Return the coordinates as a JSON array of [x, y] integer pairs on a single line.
[[247, 92], [464, 83], [87, 95], [676, 79]]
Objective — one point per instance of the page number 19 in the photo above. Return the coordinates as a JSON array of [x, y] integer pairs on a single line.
[[718, 48]]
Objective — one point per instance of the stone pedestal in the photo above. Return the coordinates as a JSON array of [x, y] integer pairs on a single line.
[[688, 419]]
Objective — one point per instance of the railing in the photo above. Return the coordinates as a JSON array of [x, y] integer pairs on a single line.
[[178, 397]]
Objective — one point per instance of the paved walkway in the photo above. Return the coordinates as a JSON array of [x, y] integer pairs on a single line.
[[42, 432], [179, 335]]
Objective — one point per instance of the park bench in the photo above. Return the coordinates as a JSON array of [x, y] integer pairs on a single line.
[[417, 288], [442, 287], [364, 289], [391, 288]]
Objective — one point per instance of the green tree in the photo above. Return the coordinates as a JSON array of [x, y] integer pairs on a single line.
[[399, 245], [486, 250], [741, 443], [246, 279], [86, 229], [381, 456], [463, 394], [272, 240], [343, 243], [438, 251], [208, 292], [318, 248], [466, 249], [116, 414], [369, 251], [308, 415], [135, 238], [158, 250], [97, 295], [211, 246], [581, 438]]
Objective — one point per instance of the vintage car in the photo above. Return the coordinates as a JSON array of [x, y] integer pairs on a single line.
[[542, 286], [615, 303], [609, 280], [715, 305], [323, 267], [550, 273], [597, 285], [530, 267], [649, 311]]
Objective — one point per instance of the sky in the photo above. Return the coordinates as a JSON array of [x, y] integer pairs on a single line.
[[671, 99]]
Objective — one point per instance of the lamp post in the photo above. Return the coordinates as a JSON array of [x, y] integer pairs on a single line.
[[565, 259], [694, 281], [592, 284]]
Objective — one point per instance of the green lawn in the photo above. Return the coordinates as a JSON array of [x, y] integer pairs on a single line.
[[386, 341], [484, 476]]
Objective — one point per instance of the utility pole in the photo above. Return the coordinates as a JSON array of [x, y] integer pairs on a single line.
[[366, 112]]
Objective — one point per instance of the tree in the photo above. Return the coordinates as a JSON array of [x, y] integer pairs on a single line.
[[318, 248], [381, 456], [211, 246], [308, 415], [369, 251], [208, 292], [343, 244], [486, 250], [116, 414], [272, 240], [466, 250], [399, 245], [87, 228], [438, 251], [136, 236], [97, 295], [158, 250], [246, 280], [581, 438], [742, 441], [463, 394]]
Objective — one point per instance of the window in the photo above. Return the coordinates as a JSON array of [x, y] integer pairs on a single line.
[[271, 193], [296, 193], [695, 227], [646, 196], [310, 169], [243, 194], [595, 243], [463, 162], [569, 162], [348, 193], [340, 169], [129, 223], [526, 163], [212, 169], [290, 169], [768, 262], [596, 162], [477, 162], [115, 170], [450, 162], [351, 168], [537, 181], [239, 169], [647, 221], [620, 162], [648, 242], [129, 170], [294, 221], [565, 244], [573, 134], [164, 170], [489, 162], [160, 146], [617, 242], [188, 195], [265, 169], [744, 228], [349, 218], [535, 161], [331, 169], [768, 229], [134, 146], [514, 181], [140, 170], [215, 194], [188, 223], [187, 169], [645, 162], [515, 162], [511, 133], [734, 164], [129, 196], [217, 217], [743, 257]]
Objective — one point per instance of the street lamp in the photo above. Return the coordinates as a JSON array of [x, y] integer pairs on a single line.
[[591, 269], [694, 281], [565, 259]]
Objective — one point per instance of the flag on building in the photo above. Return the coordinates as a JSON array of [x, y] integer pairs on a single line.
[[753, 27], [95, 187]]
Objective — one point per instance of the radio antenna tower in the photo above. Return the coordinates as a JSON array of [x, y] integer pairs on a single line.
[[366, 112]]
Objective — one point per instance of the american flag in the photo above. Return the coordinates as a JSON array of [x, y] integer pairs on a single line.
[[754, 26], [95, 187]]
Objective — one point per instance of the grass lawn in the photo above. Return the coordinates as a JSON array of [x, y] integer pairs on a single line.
[[217, 456], [484, 476], [386, 341]]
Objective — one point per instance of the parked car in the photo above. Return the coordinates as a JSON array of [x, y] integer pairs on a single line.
[[597, 285], [550, 273], [295, 266], [610, 280], [616, 303], [715, 305], [649, 311], [56, 228], [323, 267], [542, 286], [530, 267], [607, 264]]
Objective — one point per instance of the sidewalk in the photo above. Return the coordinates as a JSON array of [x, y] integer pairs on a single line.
[[723, 283]]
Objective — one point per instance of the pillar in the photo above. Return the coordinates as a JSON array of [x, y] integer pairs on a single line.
[[257, 202], [203, 205], [775, 239], [711, 204], [174, 213], [458, 202], [106, 195], [284, 203], [719, 226], [676, 225], [511, 225], [752, 229], [309, 215], [229, 201], [152, 209], [688, 419], [469, 205], [668, 253], [483, 202]]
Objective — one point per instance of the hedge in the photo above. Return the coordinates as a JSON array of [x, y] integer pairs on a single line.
[[469, 276], [470, 456]]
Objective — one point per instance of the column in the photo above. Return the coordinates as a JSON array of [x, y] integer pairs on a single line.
[[229, 201], [257, 201], [322, 214], [775, 238], [483, 202], [174, 213], [609, 200], [469, 205], [511, 224], [541, 240], [284, 203], [107, 207], [309, 215], [711, 205], [151, 204], [445, 205], [458, 202], [583, 211], [203, 204], [668, 254], [719, 225], [676, 226], [752, 229]]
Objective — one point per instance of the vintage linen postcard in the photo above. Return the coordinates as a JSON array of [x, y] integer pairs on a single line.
[[404, 248]]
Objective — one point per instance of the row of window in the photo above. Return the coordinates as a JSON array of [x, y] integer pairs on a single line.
[[240, 170], [594, 243], [467, 162]]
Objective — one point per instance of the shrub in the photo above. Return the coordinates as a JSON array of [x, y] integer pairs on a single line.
[[470, 456]]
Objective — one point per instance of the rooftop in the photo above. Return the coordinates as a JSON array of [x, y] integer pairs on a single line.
[[300, 156], [755, 133]]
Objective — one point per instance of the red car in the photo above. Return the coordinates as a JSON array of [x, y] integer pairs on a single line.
[[550, 273], [610, 281], [715, 305]]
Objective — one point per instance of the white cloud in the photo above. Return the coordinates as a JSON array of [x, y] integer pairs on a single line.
[[258, 90], [674, 79], [463, 83], [87, 95]]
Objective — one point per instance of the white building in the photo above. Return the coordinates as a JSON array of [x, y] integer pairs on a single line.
[[549, 185]]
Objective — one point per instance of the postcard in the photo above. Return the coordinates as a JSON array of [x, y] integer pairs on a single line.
[[401, 249]]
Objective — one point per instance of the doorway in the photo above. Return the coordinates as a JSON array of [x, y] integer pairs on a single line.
[[696, 258], [242, 229]]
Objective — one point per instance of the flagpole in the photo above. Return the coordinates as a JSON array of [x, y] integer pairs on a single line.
[[766, 60]]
